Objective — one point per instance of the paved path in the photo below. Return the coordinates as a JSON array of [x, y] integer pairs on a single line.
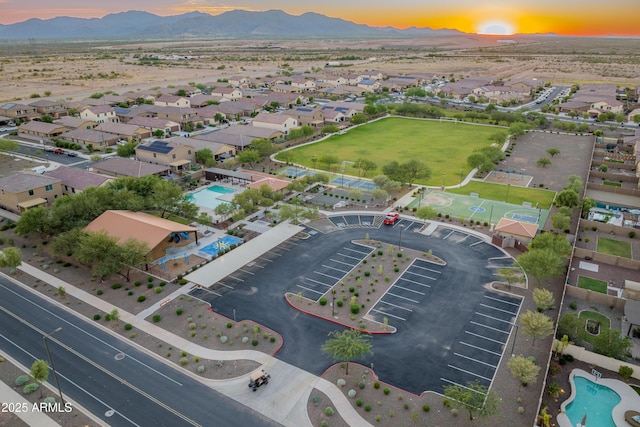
[[32, 418], [285, 403]]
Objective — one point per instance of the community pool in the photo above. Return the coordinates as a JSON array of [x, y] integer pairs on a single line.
[[593, 400], [209, 197], [225, 242]]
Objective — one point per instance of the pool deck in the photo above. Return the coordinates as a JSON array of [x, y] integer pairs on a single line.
[[630, 400]]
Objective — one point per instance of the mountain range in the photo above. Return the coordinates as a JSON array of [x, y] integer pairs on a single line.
[[229, 25]]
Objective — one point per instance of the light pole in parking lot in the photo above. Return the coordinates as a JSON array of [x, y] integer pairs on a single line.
[[333, 302], [55, 375], [400, 241]]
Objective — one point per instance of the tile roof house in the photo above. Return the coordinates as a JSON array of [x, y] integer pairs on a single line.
[[128, 131], [40, 131], [220, 151], [168, 153], [172, 101], [369, 85], [23, 190], [154, 124], [306, 116], [519, 230], [100, 114], [277, 122], [18, 111], [199, 101], [284, 88], [76, 180], [303, 83], [85, 137], [230, 93], [54, 109], [119, 166], [71, 122]]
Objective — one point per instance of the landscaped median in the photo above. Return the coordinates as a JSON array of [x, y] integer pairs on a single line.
[[347, 302]]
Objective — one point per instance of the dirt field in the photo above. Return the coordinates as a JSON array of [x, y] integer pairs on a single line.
[[76, 70]]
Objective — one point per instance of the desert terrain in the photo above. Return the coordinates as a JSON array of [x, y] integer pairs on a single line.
[[73, 70]]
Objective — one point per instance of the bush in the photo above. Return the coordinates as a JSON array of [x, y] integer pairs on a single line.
[[573, 306], [399, 254], [632, 234], [150, 279], [272, 339], [184, 361], [149, 285], [96, 317], [192, 326], [229, 325], [183, 282], [200, 369], [341, 382], [520, 409], [386, 390], [137, 283], [156, 318], [376, 385], [454, 412], [355, 308], [426, 407], [329, 411], [107, 317], [224, 339], [130, 293], [352, 393], [158, 289], [339, 303], [116, 286], [358, 402], [362, 385], [128, 326], [625, 372], [99, 292], [22, 380], [30, 388], [367, 407], [254, 343], [322, 301], [179, 311], [141, 298], [367, 273]]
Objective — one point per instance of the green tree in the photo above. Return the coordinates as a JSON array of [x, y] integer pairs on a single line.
[[10, 257], [498, 138], [263, 146], [346, 346], [166, 196], [517, 129], [127, 149], [158, 133], [536, 325], [480, 161], [358, 119], [588, 203], [544, 299], [204, 155], [132, 253], [248, 156], [541, 264], [509, 275], [355, 194], [560, 222], [415, 91], [557, 243], [523, 369], [425, 213], [366, 165], [225, 210], [568, 325], [475, 398], [553, 151], [33, 220], [379, 194], [415, 169], [115, 315], [330, 129], [40, 372], [329, 160], [295, 211], [543, 162], [567, 197], [613, 344], [46, 118]]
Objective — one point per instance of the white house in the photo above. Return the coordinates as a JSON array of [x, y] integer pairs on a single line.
[[277, 122]]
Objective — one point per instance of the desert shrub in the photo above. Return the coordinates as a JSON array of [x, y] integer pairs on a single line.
[[150, 279], [182, 282], [632, 234], [339, 303], [99, 292], [116, 286], [192, 326], [130, 293], [426, 407], [376, 385], [224, 339], [367, 273], [351, 393], [107, 317], [367, 407], [359, 402], [329, 411], [200, 369], [454, 412], [156, 318], [141, 298], [355, 308], [386, 390], [22, 380], [406, 406], [573, 305], [520, 409], [184, 361], [128, 326], [229, 325], [133, 335], [341, 382], [323, 301], [137, 283], [362, 385], [96, 317], [625, 372], [245, 340], [272, 339], [49, 400], [179, 311], [30, 388], [158, 289], [149, 285], [254, 342]]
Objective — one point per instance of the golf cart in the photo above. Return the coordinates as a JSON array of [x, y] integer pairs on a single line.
[[259, 378]]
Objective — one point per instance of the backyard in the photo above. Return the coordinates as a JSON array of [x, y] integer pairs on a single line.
[[614, 247], [592, 284], [446, 145]]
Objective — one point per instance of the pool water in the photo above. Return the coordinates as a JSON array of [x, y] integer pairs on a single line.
[[594, 400], [221, 244], [209, 197]]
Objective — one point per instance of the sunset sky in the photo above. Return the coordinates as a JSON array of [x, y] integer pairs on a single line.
[[567, 17]]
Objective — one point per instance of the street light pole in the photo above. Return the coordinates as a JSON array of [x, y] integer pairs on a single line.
[[400, 241], [443, 175], [333, 302], [461, 171], [506, 200], [55, 375]]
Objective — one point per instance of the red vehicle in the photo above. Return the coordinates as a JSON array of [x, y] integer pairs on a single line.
[[391, 218], [58, 151]]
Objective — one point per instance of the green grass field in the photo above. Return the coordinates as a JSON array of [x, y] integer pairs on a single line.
[[443, 146], [498, 192], [614, 247], [604, 325], [592, 284]]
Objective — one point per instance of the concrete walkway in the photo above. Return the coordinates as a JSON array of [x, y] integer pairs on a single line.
[[286, 402], [32, 418]]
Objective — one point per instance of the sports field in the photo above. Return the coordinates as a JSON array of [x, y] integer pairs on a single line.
[[443, 146], [503, 193], [476, 209]]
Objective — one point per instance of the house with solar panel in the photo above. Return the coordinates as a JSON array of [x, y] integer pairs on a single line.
[[15, 111], [306, 116], [178, 157]]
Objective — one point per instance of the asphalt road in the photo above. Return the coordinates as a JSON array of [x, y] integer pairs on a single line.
[[116, 381], [63, 159], [416, 355]]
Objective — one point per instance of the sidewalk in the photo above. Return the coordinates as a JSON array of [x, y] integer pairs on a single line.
[[26, 414], [285, 403]]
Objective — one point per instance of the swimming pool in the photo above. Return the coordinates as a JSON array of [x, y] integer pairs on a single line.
[[221, 244], [594, 400], [209, 197]]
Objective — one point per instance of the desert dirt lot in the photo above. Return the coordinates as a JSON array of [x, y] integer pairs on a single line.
[[75, 70]]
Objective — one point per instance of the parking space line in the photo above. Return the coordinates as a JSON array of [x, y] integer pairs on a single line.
[[396, 306], [266, 259], [480, 348], [235, 278], [326, 275], [388, 314], [484, 338], [401, 297], [413, 281], [410, 290], [421, 275], [311, 290], [353, 250], [494, 318], [498, 309], [517, 304], [318, 282], [445, 237], [475, 360], [489, 327], [425, 268], [245, 271], [342, 262], [476, 243], [225, 285], [348, 256], [469, 372], [333, 268], [282, 247], [460, 385]]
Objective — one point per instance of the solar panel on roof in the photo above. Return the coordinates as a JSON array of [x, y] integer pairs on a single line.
[[304, 109], [157, 147], [342, 109]]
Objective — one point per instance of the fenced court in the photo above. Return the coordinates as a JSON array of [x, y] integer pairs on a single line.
[[347, 182], [477, 209], [296, 172], [507, 176]]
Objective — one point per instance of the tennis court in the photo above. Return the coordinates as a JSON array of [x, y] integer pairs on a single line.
[[354, 183], [296, 172], [477, 209]]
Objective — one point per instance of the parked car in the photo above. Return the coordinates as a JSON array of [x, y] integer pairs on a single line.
[[391, 218], [72, 154], [48, 149], [58, 151]]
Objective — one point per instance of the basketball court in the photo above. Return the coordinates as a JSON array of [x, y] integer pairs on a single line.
[[477, 209]]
